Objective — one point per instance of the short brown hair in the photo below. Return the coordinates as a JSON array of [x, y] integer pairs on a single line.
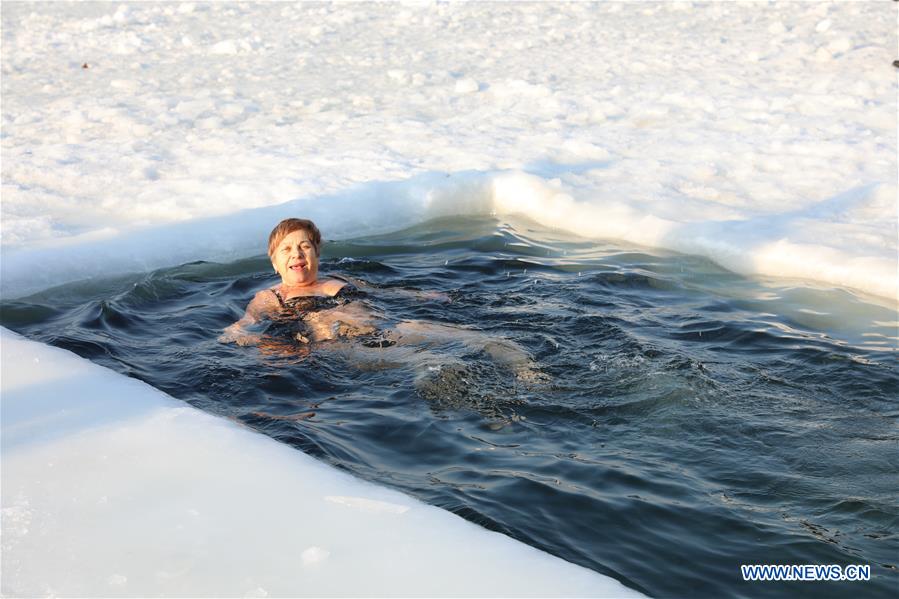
[[288, 226]]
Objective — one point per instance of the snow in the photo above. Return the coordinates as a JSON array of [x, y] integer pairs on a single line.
[[760, 135], [112, 488]]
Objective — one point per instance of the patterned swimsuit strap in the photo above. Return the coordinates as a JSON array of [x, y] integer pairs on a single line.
[[280, 299]]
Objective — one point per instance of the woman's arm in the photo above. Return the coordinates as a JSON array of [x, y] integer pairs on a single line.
[[261, 306]]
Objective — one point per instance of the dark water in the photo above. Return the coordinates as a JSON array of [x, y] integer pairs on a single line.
[[691, 420]]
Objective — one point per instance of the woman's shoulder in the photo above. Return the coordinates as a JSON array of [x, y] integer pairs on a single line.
[[266, 297], [333, 286]]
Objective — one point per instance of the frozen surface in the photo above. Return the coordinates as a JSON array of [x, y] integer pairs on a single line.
[[760, 135], [111, 488]]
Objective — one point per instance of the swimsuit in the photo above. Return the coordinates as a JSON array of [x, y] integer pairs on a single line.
[[304, 304], [294, 309]]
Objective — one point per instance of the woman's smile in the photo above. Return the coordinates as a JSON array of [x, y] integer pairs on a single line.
[[296, 259]]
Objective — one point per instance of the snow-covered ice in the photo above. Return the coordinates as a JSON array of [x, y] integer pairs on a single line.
[[112, 488], [760, 135]]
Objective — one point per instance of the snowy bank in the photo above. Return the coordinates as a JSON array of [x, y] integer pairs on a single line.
[[760, 135], [801, 244], [112, 488]]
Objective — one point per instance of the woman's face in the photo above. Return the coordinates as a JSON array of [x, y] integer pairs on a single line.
[[295, 260]]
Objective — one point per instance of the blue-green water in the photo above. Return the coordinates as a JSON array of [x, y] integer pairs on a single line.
[[687, 420]]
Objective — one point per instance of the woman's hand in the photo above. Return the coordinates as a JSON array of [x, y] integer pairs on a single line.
[[239, 335]]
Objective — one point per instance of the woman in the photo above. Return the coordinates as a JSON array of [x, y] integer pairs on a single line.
[[326, 309]]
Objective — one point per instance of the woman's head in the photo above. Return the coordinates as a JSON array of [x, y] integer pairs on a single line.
[[293, 247]]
